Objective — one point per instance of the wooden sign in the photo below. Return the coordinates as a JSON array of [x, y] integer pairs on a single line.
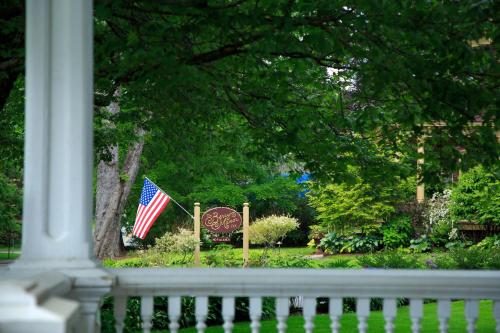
[[224, 239], [221, 220]]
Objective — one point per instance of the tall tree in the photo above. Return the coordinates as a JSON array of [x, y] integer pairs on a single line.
[[333, 83], [320, 80]]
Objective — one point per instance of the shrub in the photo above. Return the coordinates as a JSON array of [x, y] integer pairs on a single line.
[[459, 244], [222, 255], [10, 208], [272, 229], [477, 197], [437, 219], [290, 262], [441, 261], [338, 263], [421, 244], [388, 259], [332, 243], [397, 232], [469, 258], [360, 244], [491, 242], [345, 207], [122, 263], [183, 242], [317, 232], [472, 258], [335, 243]]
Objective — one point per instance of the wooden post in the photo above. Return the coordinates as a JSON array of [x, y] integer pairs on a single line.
[[197, 234], [246, 238], [420, 164]]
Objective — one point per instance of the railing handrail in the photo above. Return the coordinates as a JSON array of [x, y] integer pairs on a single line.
[[361, 283]]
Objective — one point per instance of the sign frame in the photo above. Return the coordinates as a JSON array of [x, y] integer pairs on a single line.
[[221, 220]]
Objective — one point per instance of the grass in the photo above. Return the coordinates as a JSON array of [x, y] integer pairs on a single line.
[[13, 248], [485, 323], [5, 256], [14, 252]]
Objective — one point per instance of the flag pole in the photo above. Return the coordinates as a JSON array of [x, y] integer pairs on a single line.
[[170, 198]]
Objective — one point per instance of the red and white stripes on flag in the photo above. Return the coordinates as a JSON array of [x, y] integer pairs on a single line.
[[153, 201]]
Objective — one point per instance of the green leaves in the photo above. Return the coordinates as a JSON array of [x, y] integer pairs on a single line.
[[346, 208], [477, 196]]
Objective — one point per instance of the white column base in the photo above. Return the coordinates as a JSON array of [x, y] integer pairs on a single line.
[[53, 264], [77, 285], [35, 304]]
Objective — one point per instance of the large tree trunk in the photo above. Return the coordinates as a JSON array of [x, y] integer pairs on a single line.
[[113, 188]]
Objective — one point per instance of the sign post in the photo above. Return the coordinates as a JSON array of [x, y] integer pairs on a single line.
[[197, 234], [246, 238]]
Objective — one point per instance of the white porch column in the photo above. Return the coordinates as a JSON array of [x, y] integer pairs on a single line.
[[57, 212]]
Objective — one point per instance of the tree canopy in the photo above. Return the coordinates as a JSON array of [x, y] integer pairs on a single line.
[[335, 84], [323, 86]]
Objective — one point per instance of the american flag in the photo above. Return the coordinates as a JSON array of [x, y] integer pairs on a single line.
[[153, 202]]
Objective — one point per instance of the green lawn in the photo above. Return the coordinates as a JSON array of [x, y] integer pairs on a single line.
[[5, 256], [485, 324]]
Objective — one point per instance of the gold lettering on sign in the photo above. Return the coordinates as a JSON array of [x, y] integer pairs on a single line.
[[217, 220]]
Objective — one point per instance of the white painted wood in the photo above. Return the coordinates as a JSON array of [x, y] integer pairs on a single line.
[[416, 314], [335, 310], [120, 312], [201, 312], [255, 313], [228, 309], [147, 304], [471, 314], [309, 311], [444, 312], [58, 142], [390, 310], [282, 312], [362, 311], [255, 282], [281, 283], [496, 313], [174, 313], [35, 304]]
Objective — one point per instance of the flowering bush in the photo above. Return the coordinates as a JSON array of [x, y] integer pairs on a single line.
[[271, 229], [183, 242], [437, 218], [438, 211]]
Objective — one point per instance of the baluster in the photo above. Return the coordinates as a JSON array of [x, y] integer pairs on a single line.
[[147, 313], [255, 313], [201, 312], [416, 314], [471, 314], [120, 312], [282, 312], [174, 313], [496, 313], [390, 309], [444, 312], [362, 311], [335, 309], [228, 313], [309, 311]]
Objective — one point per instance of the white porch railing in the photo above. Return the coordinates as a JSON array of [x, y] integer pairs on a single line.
[[282, 284]]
